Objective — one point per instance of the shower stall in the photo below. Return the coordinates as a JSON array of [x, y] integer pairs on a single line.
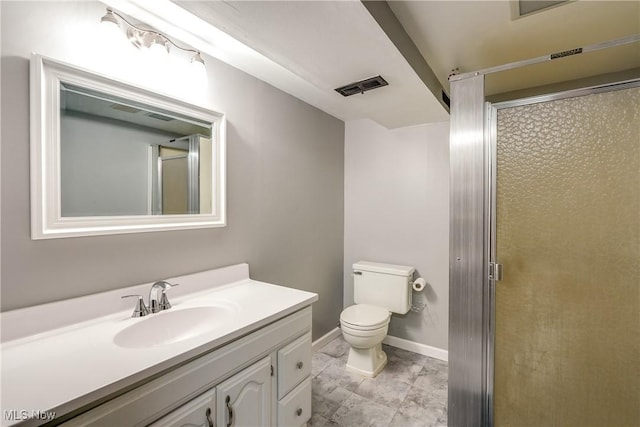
[[545, 256], [181, 176]]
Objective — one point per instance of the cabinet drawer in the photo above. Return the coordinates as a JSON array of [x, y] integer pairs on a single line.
[[197, 413], [294, 364], [295, 409]]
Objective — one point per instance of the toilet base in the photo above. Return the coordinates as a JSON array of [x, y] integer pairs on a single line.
[[367, 361]]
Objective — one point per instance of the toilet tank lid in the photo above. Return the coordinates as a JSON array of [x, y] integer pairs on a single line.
[[377, 267]]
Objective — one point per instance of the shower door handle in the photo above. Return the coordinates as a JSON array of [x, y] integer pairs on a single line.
[[495, 271]]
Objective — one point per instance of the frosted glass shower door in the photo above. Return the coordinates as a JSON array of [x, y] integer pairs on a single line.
[[175, 176], [567, 312]]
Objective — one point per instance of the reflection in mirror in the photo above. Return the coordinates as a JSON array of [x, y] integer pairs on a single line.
[[110, 158], [119, 157]]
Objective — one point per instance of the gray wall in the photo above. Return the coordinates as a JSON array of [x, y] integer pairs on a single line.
[[397, 212], [285, 179]]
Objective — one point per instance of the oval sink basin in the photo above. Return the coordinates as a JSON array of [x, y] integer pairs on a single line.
[[173, 325]]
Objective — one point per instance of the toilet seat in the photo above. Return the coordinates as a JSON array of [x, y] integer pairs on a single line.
[[363, 317]]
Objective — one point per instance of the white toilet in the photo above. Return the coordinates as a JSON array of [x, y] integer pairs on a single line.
[[379, 289]]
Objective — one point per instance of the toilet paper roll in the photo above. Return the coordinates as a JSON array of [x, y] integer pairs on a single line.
[[419, 284]]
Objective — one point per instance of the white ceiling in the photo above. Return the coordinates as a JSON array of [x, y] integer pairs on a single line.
[[329, 44], [308, 48]]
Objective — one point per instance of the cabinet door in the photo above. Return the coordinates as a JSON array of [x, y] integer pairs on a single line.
[[244, 400], [198, 412]]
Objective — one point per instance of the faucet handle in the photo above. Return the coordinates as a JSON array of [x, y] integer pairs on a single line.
[[164, 301], [140, 309]]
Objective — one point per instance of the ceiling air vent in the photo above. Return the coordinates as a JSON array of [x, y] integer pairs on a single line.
[[125, 108], [159, 117], [526, 7], [362, 86]]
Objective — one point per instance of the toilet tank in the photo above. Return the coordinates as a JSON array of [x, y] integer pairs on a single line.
[[383, 285]]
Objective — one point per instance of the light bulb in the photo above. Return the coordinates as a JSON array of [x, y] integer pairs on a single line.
[[135, 37]]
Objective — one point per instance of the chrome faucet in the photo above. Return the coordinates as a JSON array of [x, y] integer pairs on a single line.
[[155, 305], [158, 304]]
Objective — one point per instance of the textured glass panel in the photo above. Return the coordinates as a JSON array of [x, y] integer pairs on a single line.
[[568, 234]]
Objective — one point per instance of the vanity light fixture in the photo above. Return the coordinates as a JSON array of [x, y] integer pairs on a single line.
[[153, 40]]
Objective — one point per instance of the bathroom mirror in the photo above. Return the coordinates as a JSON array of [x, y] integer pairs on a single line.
[[112, 158]]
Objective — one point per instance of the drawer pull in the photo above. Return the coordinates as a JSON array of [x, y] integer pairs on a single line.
[[229, 412], [209, 420], [300, 365], [299, 411]]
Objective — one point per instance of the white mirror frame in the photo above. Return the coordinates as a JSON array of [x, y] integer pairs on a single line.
[[46, 218]]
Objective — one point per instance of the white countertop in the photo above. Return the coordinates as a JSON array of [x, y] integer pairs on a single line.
[[68, 367]]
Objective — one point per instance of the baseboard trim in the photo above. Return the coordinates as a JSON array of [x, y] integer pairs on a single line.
[[426, 350], [325, 339]]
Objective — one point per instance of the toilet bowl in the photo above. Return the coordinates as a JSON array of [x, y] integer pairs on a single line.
[[364, 327], [378, 290]]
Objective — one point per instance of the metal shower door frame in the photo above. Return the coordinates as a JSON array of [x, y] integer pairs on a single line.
[[472, 234]]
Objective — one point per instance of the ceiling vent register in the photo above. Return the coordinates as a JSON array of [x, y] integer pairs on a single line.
[[527, 7], [362, 86]]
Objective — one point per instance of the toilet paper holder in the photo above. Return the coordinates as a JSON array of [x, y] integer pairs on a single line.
[[419, 284]]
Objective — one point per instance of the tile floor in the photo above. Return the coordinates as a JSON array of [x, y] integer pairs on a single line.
[[411, 391]]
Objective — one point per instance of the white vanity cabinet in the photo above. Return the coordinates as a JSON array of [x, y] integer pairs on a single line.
[[260, 379]]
